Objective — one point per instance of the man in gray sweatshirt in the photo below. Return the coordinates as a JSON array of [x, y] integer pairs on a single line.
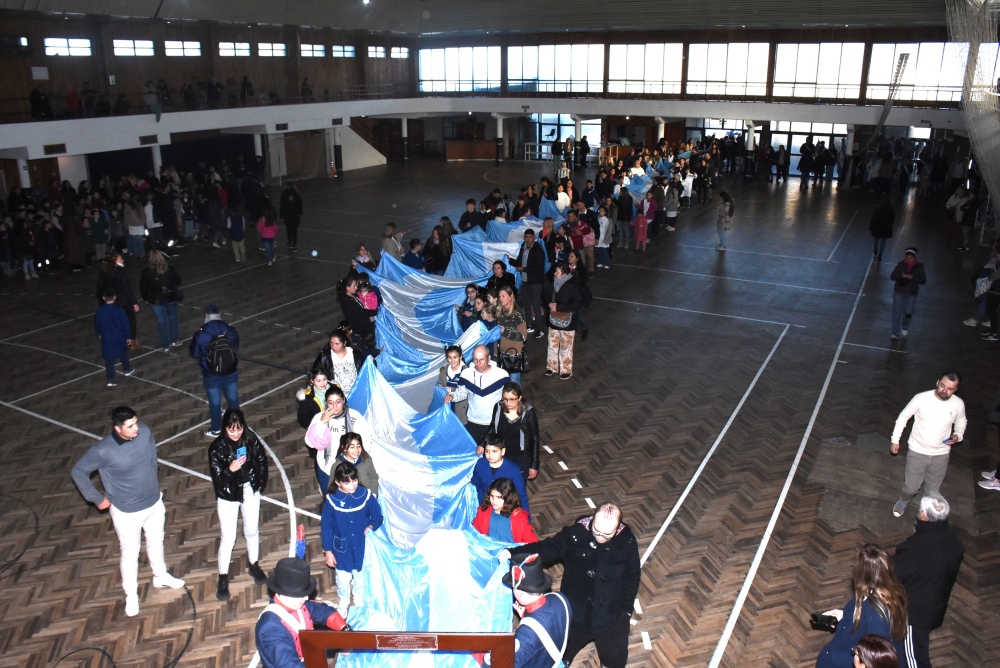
[[126, 462]]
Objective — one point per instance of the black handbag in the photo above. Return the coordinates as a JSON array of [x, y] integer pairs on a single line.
[[512, 360]]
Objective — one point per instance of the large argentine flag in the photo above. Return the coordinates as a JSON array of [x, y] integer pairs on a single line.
[[432, 571]]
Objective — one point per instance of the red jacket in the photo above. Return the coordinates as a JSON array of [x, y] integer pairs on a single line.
[[520, 526]]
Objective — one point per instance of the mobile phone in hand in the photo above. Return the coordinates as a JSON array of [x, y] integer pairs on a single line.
[[242, 452]]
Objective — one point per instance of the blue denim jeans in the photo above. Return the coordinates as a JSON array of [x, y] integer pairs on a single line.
[[624, 234], [902, 312], [603, 257], [269, 247], [136, 245], [166, 318], [215, 387], [722, 237]]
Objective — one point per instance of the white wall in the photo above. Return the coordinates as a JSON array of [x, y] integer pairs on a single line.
[[91, 135], [357, 153], [73, 168]]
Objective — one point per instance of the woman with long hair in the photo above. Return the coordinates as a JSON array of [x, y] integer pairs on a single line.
[[516, 421], [114, 276], [878, 607], [267, 228], [392, 242], [724, 218], [238, 465], [513, 327], [340, 361], [434, 255], [326, 429], [501, 517], [158, 287], [362, 319]]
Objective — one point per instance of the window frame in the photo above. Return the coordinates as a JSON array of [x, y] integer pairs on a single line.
[[185, 46], [312, 50], [376, 51], [52, 49], [399, 52], [271, 50], [343, 51], [236, 49], [130, 48]]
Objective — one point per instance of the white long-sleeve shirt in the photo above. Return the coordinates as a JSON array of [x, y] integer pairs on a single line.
[[934, 421]]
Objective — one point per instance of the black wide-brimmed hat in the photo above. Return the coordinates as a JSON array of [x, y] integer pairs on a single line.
[[291, 578], [529, 576]]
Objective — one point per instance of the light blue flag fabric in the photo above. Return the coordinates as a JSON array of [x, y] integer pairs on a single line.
[[547, 209], [426, 569], [638, 186]]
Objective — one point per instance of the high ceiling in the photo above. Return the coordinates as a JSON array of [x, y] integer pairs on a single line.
[[428, 17]]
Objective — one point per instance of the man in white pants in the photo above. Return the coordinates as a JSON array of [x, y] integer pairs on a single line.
[[938, 423], [126, 462]]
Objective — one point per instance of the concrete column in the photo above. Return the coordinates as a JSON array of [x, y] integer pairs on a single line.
[[258, 146], [848, 162], [337, 153], [500, 140], [73, 168], [23, 176], [661, 128], [157, 159], [406, 141], [277, 165]]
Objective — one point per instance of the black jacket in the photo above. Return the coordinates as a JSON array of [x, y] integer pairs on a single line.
[[307, 408], [600, 580], [506, 280], [534, 266], [228, 485], [117, 280], [358, 316], [527, 449], [324, 361], [291, 205], [154, 287], [470, 220], [568, 299], [927, 564]]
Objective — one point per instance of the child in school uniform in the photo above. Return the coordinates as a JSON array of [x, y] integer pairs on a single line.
[[350, 511]]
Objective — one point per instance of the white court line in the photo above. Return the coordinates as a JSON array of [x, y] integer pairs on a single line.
[[545, 447], [316, 259], [133, 376], [242, 403], [730, 250], [711, 451], [576, 483], [40, 329], [172, 464], [843, 235], [861, 345], [238, 271], [741, 280], [275, 308], [73, 380], [563, 466], [646, 644], [720, 648], [688, 310]]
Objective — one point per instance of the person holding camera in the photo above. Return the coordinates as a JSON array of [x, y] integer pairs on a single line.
[[238, 465]]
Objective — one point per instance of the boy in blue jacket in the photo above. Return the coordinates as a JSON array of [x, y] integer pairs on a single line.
[[113, 330], [492, 465], [350, 511]]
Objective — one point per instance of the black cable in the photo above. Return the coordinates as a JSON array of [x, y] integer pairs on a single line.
[[194, 619], [87, 649], [17, 557]]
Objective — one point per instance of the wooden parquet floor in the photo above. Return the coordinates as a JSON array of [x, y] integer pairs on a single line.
[[690, 399]]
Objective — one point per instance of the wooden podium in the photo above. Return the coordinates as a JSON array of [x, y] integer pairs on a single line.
[[316, 645]]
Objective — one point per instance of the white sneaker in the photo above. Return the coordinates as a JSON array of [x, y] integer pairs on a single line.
[[984, 323], [167, 580], [989, 475], [990, 484], [132, 605], [905, 332], [970, 322]]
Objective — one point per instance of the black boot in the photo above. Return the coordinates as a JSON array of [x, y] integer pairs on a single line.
[[222, 591], [256, 572]]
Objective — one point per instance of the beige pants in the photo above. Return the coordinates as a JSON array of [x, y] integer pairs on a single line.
[[240, 251], [560, 357]]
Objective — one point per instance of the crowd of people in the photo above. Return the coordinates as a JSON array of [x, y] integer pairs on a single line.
[[603, 217]]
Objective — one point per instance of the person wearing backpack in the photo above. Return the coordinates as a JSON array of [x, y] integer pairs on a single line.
[[216, 347]]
